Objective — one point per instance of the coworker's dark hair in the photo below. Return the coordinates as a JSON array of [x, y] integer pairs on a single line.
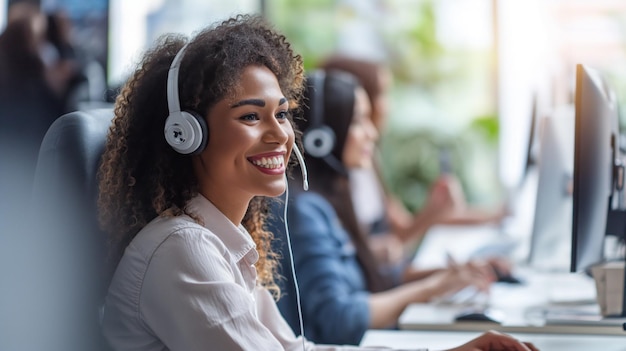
[[19, 44], [141, 176], [366, 71], [333, 184]]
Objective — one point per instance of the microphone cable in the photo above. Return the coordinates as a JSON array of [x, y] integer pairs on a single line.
[[293, 268]]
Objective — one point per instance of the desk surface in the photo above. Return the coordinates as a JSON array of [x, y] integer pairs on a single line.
[[439, 340], [551, 300], [555, 301], [545, 303]]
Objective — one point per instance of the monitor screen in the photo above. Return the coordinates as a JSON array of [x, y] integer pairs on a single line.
[[595, 144]]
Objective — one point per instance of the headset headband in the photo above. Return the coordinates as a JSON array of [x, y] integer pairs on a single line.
[[173, 103]]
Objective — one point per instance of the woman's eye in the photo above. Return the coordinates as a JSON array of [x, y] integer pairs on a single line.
[[249, 117], [282, 115]]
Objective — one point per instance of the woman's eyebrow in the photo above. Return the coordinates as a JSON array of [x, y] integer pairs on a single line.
[[254, 102]]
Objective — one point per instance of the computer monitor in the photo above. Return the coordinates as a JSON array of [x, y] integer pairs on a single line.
[[531, 152], [597, 174], [550, 246]]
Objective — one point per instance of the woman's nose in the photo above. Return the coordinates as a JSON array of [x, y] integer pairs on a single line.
[[372, 131], [277, 132]]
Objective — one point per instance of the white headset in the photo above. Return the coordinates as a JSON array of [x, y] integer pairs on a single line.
[[185, 131]]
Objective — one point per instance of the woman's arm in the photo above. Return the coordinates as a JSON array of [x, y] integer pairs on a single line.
[[444, 198], [386, 307]]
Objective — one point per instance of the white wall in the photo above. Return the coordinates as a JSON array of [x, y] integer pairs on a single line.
[[133, 25], [3, 13], [525, 55]]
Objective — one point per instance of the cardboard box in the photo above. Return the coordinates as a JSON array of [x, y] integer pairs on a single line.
[[609, 278]]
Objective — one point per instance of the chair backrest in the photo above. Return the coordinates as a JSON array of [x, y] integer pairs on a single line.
[[74, 247]]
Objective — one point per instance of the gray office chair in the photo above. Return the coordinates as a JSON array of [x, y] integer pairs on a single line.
[[71, 248]]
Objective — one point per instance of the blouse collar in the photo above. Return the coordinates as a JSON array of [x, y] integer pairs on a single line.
[[236, 238]]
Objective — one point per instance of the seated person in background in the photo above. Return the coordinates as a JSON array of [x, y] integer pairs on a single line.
[[395, 228], [344, 289], [195, 270], [28, 106]]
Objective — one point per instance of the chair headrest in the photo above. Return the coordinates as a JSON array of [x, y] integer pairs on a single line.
[[72, 148], [71, 249]]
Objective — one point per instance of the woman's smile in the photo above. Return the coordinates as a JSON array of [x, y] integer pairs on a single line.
[[272, 163]]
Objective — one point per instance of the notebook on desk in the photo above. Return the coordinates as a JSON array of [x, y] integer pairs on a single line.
[[468, 296], [582, 315]]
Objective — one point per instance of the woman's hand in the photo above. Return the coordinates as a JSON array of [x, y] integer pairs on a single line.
[[494, 341], [446, 196], [447, 204], [500, 265], [457, 277]]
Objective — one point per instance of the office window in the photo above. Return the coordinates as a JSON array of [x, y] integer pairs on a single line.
[[442, 57], [134, 25], [538, 61]]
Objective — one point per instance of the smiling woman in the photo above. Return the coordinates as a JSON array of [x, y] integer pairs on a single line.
[[186, 225], [194, 268]]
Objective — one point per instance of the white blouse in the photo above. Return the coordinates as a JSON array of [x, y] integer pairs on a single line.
[[183, 286]]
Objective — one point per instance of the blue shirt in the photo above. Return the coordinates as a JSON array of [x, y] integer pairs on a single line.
[[334, 295]]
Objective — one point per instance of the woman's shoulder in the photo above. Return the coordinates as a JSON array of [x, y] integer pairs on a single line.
[[172, 232], [310, 200], [311, 210], [311, 205]]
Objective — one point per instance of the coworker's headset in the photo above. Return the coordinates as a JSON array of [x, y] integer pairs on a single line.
[[319, 139], [187, 131]]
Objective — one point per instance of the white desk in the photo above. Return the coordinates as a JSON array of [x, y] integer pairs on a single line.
[[440, 340], [546, 303], [536, 306]]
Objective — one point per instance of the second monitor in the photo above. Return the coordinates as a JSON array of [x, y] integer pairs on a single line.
[[598, 172]]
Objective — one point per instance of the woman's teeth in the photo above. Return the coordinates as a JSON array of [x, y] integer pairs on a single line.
[[269, 162]]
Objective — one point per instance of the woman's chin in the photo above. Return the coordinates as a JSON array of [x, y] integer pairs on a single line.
[[365, 164], [275, 190]]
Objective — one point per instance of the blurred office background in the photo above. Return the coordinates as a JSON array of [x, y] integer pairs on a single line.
[[468, 74]]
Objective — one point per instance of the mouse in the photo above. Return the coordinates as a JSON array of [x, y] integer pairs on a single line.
[[508, 278], [475, 316]]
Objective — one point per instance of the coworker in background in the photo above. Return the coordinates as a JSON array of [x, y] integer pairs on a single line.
[[197, 270], [28, 103], [380, 210], [63, 62], [344, 291]]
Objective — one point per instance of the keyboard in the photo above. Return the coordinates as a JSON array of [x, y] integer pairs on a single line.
[[468, 296]]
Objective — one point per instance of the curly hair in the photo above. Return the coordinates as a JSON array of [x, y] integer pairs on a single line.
[[141, 176]]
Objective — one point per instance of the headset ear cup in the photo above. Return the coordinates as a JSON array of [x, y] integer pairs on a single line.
[[204, 132], [319, 142], [186, 132]]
